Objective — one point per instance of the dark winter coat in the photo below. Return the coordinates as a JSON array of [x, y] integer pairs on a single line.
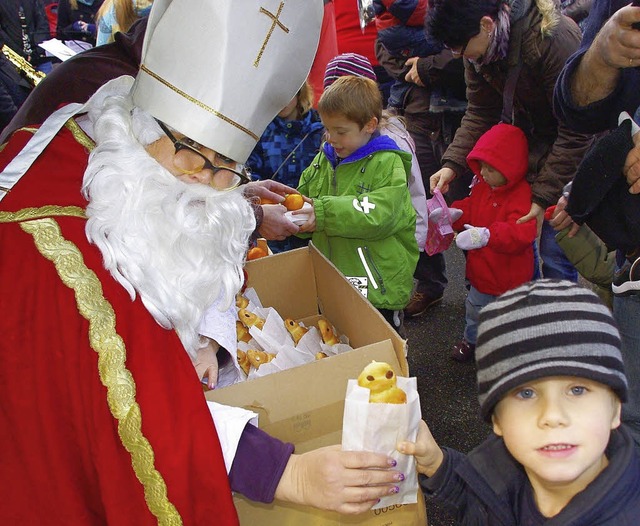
[[488, 488], [554, 150], [67, 16], [601, 115], [36, 22]]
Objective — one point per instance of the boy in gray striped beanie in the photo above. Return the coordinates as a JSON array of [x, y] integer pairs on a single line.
[[551, 381]]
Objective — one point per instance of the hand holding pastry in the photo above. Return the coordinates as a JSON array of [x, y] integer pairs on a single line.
[[425, 449], [380, 379], [343, 481]]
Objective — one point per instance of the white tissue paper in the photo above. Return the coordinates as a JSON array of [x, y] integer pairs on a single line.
[[379, 427]]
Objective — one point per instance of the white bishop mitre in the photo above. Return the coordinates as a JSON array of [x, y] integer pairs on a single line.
[[253, 55], [218, 71]]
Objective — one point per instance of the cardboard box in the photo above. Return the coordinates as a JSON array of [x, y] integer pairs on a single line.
[[304, 405]]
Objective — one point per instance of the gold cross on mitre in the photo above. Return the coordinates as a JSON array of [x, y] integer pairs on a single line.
[[275, 22]]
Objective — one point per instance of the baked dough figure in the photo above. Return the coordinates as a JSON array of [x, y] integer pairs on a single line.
[[250, 319], [296, 330], [380, 379], [328, 332], [243, 361], [242, 333], [257, 358]]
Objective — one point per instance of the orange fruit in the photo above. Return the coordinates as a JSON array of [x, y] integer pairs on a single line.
[[293, 201], [255, 253], [266, 201]]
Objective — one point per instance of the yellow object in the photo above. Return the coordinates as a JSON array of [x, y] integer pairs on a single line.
[[328, 332], [296, 330], [380, 379], [249, 319]]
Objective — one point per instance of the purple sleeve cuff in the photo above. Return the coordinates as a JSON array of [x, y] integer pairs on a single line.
[[258, 465]]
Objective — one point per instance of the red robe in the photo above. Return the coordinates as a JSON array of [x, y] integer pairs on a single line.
[[65, 458]]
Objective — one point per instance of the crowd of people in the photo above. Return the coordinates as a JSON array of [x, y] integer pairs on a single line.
[[137, 175]]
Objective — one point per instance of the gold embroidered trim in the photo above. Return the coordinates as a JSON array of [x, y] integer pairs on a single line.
[[275, 21], [114, 375], [37, 213], [198, 103], [79, 135]]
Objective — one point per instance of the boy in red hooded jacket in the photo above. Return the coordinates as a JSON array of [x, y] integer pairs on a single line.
[[499, 250]]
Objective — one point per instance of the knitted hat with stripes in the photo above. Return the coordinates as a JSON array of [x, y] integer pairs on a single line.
[[348, 64], [546, 328]]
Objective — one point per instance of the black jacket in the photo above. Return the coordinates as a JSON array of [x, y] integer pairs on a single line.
[[486, 488], [37, 26]]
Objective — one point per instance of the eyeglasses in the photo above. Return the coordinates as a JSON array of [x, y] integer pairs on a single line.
[[189, 160], [456, 52]]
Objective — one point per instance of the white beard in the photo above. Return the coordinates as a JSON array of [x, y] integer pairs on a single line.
[[179, 246]]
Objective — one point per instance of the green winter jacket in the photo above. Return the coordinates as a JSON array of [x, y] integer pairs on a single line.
[[365, 223]]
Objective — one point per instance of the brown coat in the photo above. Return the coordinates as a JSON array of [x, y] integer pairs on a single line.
[[541, 43]]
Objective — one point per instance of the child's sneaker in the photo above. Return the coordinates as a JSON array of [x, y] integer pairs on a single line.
[[627, 280], [463, 352]]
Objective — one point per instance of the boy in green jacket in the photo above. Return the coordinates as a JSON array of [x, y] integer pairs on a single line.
[[362, 218]]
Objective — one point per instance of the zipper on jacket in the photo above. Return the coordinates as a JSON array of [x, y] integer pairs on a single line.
[[368, 264]]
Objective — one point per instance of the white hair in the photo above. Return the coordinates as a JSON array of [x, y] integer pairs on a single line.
[[179, 246]]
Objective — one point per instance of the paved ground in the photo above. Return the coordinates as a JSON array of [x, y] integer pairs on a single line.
[[447, 388]]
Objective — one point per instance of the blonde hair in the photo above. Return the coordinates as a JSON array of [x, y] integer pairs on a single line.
[[356, 98], [124, 11], [305, 99]]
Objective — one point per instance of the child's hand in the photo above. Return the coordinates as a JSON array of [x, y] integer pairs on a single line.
[[206, 364], [425, 449], [310, 224], [436, 215], [473, 237]]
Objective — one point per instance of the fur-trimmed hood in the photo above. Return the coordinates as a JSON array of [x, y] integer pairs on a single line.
[[548, 9]]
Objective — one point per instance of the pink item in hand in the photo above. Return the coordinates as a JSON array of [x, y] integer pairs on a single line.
[[440, 233]]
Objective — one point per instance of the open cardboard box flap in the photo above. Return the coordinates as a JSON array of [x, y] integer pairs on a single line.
[[305, 405]]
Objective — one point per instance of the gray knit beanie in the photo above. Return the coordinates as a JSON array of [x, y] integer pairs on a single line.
[[546, 328]]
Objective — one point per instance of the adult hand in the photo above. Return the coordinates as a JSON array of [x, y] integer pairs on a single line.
[[618, 44], [535, 212], [206, 363], [268, 189], [425, 449], [275, 225], [560, 219], [631, 167], [344, 481], [441, 180], [412, 76]]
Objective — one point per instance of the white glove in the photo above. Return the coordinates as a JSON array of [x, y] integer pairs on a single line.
[[436, 215], [472, 237]]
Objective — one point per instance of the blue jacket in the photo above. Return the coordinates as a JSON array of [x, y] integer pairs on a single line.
[[601, 115], [488, 487], [278, 140]]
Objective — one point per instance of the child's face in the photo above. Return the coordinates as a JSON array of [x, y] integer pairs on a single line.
[[491, 176], [558, 428], [345, 135], [290, 111]]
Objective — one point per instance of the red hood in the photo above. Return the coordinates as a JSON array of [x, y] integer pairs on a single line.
[[505, 148]]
